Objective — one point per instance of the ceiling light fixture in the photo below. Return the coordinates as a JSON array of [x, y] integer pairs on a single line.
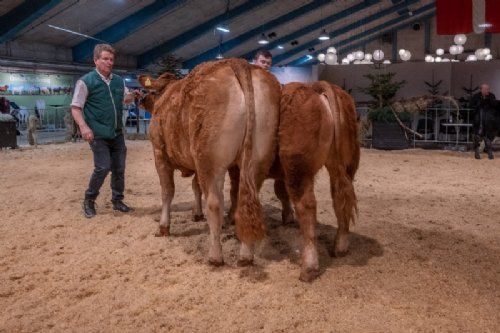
[[223, 28], [324, 35], [485, 25], [263, 40]]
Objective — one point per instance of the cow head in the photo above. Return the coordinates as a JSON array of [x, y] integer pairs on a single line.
[[154, 88]]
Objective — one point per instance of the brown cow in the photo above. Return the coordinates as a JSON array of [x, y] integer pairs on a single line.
[[223, 114], [317, 128]]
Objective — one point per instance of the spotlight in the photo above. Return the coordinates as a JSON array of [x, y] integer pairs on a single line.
[[263, 40], [323, 35], [223, 28]]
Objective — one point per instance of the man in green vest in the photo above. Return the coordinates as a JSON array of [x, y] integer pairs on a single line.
[[97, 109]]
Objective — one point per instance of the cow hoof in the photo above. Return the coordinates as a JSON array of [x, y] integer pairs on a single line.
[[308, 275], [216, 262], [244, 262], [288, 219], [490, 156], [340, 253], [162, 232], [198, 217], [229, 220], [477, 156]]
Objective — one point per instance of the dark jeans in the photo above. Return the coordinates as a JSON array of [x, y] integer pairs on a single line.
[[109, 155]]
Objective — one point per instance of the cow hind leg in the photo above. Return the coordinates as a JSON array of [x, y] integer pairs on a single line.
[[305, 207], [286, 207], [197, 209], [344, 204], [234, 176], [213, 190], [166, 174]]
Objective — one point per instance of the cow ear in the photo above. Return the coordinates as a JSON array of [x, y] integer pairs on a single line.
[[146, 81]]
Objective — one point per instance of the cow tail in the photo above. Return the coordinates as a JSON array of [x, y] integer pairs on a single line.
[[345, 151], [250, 225]]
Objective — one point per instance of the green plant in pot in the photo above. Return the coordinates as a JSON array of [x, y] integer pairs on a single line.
[[386, 115], [169, 63], [387, 124], [382, 88]]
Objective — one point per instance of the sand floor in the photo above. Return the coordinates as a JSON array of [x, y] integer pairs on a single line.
[[424, 255]]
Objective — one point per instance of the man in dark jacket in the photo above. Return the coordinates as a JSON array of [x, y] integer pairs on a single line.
[[479, 103], [4, 105], [97, 109]]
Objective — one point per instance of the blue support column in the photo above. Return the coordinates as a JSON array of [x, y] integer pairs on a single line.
[[394, 46], [487, 39], [427, 36]]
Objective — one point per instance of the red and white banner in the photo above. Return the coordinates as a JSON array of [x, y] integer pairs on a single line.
[[466, 16], [492, 15]]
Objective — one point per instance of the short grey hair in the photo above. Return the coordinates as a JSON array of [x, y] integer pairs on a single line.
[[99, 48]]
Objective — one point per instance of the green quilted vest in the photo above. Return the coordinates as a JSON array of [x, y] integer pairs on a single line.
[[104, 105]]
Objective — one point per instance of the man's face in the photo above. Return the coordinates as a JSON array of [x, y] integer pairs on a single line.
[[105, 62], [485, 89], [264, 62]]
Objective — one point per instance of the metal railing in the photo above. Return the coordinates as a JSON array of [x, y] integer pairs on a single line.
[[443, 125], [50, 119], [51, 127]]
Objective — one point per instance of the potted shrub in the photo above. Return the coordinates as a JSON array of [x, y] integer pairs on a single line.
[[387, 132]]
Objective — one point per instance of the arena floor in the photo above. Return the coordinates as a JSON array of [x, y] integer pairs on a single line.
[[424, 255]]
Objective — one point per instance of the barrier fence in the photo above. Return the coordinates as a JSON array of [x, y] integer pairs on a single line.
[[56, 124], [447, 126], [444, 126]]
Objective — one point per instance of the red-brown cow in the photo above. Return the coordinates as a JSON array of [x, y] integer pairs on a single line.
[[317, 128], [223, 114]]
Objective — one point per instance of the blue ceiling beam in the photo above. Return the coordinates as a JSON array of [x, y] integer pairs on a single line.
[[266, 27], [402, 11], [170, 45], [315, 26], [345, 50], [355, 25], [392, 25], [21, 16], [123, 28], [353, 47]]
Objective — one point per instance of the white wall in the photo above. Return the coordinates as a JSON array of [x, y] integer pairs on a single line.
[[454, 76], [294, 74]]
